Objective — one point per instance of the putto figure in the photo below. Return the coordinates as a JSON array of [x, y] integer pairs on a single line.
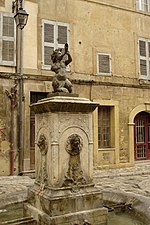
[[60, 60]]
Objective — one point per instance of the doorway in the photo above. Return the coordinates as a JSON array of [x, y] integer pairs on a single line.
[[34, 97], [142, 136]]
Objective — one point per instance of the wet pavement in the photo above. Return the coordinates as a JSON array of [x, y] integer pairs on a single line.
[[133, 180]]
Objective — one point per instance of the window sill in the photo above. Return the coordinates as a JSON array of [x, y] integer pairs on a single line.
[[104, 74], [106, 149], [144, 81], [143, 12]]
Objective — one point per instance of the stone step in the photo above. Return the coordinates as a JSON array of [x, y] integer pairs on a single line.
[[21, 221]]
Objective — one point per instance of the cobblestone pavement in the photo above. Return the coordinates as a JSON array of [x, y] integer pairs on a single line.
[[134, 180]]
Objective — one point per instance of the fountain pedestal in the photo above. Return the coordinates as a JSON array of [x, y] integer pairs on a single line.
[[64, 192]]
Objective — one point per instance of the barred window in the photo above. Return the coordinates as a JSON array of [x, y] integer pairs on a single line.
[[104, 127]]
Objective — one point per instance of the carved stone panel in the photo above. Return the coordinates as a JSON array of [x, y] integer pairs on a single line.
[[75, 161], [74, 175], [42, 175]]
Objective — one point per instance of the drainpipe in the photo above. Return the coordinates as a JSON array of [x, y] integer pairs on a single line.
[[13, 99]]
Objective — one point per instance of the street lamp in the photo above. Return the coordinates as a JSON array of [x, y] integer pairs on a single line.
[[21, 18]]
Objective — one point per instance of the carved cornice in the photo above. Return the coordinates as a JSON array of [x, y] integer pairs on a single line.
[[64, 104]]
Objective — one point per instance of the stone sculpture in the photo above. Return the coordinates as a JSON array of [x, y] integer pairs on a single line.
[[60, 59], [74, 174], [43, 146]]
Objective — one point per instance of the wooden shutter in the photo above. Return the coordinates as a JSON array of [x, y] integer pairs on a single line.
[[49, 33], [143, 67], [8, 40], [8, 26], [104, 63], [142, 5], [7, 50], [149, 57], [47, 55], [138, 4], [142, 48], [143, 57], [145, 5], [55, 35], [62, 34], [48, 43]]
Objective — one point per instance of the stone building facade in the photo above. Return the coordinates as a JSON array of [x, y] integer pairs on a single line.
[[109, 41]]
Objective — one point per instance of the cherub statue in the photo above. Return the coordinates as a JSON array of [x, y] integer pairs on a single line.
[[60, 81]]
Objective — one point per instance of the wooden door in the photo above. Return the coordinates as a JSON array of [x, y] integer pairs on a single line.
[[142, 136]]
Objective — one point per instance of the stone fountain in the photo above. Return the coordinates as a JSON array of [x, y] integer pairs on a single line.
[[63, 192]]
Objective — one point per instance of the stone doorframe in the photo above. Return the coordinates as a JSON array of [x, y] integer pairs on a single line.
[[143, 107]]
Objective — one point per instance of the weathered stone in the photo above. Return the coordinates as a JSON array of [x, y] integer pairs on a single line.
[[64, 192]]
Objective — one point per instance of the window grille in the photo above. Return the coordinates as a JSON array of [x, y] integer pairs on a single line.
[[104, 127]]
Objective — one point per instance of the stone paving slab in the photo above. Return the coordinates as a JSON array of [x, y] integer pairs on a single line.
[[13, 189], [139, 168], [134, 180], [129, 180]]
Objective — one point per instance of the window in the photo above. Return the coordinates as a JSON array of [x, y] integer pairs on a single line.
[[103, 64], [54, 35], [104, 127], [106, 133], [144, 58], [143, 5], [7, 40]]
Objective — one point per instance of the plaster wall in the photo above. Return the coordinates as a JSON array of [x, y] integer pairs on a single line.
[[127, 102], [115, 30], [30, 37]]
